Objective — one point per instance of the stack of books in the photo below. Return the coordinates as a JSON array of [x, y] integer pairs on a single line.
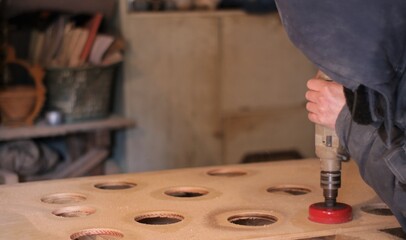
[[64, 43]]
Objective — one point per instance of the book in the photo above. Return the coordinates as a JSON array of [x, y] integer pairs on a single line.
[[32, 45], [92, 27], [70, 39], [76, 46], [56, 36], [62, 55], [46, 43], [117, 46], [38, 44], [100, 46], [112, 58]]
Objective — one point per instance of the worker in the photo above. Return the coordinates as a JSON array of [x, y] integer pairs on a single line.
[[361, 45]]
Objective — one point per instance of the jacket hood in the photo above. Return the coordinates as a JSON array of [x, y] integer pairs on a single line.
[[354, 42]]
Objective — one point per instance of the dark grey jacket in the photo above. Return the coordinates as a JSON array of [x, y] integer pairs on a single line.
[[362, 45]]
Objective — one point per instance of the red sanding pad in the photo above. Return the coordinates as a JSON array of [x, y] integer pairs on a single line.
[[320, 213]]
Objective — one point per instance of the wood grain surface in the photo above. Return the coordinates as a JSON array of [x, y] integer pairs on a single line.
[[222, 202]]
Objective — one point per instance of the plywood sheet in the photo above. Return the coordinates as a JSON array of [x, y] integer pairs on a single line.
[[228, 202]]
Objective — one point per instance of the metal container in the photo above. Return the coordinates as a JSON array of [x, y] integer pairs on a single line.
[[80, 93]]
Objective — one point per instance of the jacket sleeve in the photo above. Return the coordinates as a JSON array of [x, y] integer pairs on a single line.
[[383, 169]]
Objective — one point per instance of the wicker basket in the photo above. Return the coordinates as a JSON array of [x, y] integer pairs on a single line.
[[21, 104]]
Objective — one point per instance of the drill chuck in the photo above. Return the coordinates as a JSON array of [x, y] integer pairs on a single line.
[[330, 182]]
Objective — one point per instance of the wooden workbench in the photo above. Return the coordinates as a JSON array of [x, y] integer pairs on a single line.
[[253, 201]]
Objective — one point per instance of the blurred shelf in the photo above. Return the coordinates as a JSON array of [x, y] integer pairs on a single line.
[[183, 14], [107, 7], [37, 131]]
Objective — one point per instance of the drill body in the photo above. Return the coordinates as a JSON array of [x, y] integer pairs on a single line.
[[326, 142]]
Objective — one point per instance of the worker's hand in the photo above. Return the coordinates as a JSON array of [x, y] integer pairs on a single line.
[[325, 101]]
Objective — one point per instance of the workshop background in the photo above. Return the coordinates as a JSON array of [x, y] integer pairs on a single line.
[[143, 85]]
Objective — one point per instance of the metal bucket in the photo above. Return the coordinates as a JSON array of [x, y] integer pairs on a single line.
[[80, 93]]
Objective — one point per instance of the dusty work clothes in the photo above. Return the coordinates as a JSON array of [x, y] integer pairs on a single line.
[[362, 45]]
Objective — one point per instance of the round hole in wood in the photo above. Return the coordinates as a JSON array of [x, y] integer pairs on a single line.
[[97, 233], [63, 198], [289, 190], [74, 211], [380, 209], [253, 219], [227, 172], [115, 185], [159, 218], [186, 192]]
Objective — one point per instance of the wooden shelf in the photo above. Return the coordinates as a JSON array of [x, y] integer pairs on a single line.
[[183, 14], [37, 131], [107, 7], [77, 168]]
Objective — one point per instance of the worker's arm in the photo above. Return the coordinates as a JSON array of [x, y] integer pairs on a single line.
[[382, 168]]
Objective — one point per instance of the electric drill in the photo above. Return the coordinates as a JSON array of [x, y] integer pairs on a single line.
[[327, 149], [326, 142]]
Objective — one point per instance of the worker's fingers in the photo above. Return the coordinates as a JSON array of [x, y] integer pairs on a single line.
[[312, 96], [312, 108], [317, 84], [313, 118], [320, 119], [325, 101]]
